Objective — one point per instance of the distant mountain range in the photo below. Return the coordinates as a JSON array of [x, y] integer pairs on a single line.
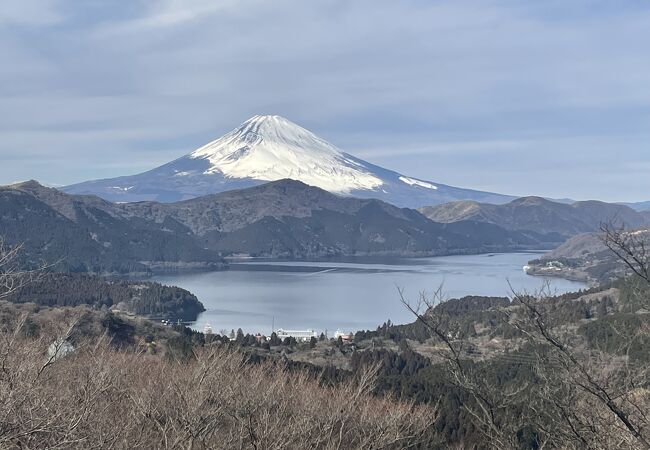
[[583, 256], [286, 218], [270, 148], [541, 215], [640, 206]]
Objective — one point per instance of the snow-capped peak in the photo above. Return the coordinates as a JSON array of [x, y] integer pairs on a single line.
[[271, 148]]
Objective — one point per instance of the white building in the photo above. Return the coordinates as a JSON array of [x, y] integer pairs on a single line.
[[299, 335]]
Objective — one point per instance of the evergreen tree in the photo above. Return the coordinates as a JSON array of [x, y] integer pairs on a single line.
[[274, 339]]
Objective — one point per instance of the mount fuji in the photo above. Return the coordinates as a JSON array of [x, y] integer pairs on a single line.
[[270, 148]]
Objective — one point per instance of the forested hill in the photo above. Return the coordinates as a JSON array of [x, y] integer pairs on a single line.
[[136, 297], [87, 234], [586, 257], [280, 219], [288, 218]]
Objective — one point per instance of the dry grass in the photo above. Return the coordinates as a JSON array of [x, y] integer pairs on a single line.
[[99, 397]]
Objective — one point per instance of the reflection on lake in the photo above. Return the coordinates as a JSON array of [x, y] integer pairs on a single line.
[[349, 294]]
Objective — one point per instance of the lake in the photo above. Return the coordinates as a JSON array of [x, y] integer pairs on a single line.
[[349, 294]]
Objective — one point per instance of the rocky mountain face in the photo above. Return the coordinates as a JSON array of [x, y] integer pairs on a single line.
[[286, 218], [271, 148], [540, 215]]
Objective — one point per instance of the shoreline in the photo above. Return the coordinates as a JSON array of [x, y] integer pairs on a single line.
[[569, 275], [480, 275], [171, 268]]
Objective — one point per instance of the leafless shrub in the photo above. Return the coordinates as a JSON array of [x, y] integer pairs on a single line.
[[12, 275], [98, 397], [632, 247], [580, 397], [490, 406], [585, 396]]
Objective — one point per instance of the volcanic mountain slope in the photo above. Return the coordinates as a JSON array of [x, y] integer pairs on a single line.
[[270, 148], [285, 218], [540, 215]]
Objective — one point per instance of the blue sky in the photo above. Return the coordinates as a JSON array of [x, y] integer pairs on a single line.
[[520, 97]]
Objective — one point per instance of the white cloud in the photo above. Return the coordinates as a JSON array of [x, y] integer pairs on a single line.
[[393, 81]]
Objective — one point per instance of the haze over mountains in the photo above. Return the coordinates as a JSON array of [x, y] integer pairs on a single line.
[[270, 148]]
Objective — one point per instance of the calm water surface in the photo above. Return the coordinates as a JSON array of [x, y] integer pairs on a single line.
[[351, 294]]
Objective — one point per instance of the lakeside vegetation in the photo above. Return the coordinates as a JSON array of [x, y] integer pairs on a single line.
[[136, 297]]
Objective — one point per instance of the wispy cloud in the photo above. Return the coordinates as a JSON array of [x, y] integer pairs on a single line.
[[31, 13], [431, 88], [170, 13]]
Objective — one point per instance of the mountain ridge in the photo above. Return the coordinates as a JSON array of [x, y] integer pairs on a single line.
[[88, 234], [540, 215], [283, 219]]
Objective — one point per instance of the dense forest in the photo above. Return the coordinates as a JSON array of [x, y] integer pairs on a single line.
[[136, 297]]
